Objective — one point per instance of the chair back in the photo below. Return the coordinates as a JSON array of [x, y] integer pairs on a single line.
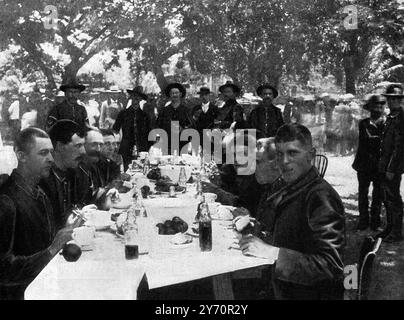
[[367, 256], [321, 164]]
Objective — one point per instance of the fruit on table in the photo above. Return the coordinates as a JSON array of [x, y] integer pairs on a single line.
[[173, 226], [71, 252]]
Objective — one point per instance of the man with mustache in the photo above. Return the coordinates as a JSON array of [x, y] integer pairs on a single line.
[[69, 108], [69, 184], [231, 112], [29, 238], [104, 170], [304, 225], [266, 118]]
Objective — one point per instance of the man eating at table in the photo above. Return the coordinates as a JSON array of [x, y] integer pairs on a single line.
[[69, 183], [304, 223], [29, 238]]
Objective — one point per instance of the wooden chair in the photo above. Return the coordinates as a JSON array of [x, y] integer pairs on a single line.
[[367, 256], [321, 163]]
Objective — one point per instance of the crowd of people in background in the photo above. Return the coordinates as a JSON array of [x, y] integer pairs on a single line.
[[333, 119]]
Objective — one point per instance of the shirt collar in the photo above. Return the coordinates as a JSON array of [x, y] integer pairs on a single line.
[[34, 192]]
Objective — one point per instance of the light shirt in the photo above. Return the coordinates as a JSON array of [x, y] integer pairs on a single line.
[[29, 119], [141, 104], [14, 110], [93, 111], [205, 107]]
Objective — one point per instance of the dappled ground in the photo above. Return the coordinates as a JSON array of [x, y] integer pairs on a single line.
[[388, 272]]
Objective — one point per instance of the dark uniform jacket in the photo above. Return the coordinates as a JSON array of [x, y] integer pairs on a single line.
[[392, 145], [229, 113], [368, 153], [76, 113], [68, 189], [169, 114], [306, 221], [236, 190], [104, 172], [133, 132], [204, 120], [27, 229], [266, 120]]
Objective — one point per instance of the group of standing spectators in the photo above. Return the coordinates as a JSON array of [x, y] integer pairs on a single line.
[[380, 161]]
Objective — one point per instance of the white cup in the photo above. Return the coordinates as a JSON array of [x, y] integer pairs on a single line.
[[84, 236], [213, 207], [210, 197], [143, 155]]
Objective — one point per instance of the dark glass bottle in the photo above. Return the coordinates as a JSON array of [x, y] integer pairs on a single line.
[[205, 226]]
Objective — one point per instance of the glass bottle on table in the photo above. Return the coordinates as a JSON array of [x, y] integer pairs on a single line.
[[182, 180], [205, 226], [146, 166], [131, 236]]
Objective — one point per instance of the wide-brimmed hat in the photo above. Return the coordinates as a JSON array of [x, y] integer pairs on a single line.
[[394, 90], [267, 86], [137, 91], [113, 89], [372, 100], [236, 89], [204, 90], [72, 84], [177, 85]]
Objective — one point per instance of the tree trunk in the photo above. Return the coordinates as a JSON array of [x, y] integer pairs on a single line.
[[350, 75], [159, 74], [70, 72]]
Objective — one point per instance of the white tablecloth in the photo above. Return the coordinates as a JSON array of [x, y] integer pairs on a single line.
[[103, 273]]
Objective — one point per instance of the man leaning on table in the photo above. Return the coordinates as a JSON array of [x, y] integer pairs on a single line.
[[28, 235], [304, 225], [69, 183]]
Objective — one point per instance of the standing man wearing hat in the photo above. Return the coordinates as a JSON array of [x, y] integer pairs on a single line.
[[69, 109], [231, 111], [174, 111], [135, 125], [366, 163], [204, 114], [266, 118], [391, 164], [110, 108]]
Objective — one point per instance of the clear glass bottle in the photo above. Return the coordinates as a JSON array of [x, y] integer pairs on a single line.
[[182, 180], [205, 227], [131, 236], [146, 166], [134, 152]]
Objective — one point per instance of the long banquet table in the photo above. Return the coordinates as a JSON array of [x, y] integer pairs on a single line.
[[104, 274]]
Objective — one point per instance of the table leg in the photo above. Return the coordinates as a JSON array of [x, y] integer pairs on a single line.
[[222, 287]]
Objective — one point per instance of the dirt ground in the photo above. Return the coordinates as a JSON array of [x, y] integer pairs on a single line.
[[388, 277]]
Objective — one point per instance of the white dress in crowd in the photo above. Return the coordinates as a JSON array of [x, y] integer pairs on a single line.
[[29, 119], [93, 111]]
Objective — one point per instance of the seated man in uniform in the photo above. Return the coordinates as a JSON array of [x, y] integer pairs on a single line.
[[304, 225], [70, 184], [29, 238], [111, 147], [104, 170]]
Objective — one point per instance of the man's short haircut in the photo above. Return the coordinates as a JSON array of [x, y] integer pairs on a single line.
[[107, 132], [63, 131], [91, 129], [25, 139], [292, 132]]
